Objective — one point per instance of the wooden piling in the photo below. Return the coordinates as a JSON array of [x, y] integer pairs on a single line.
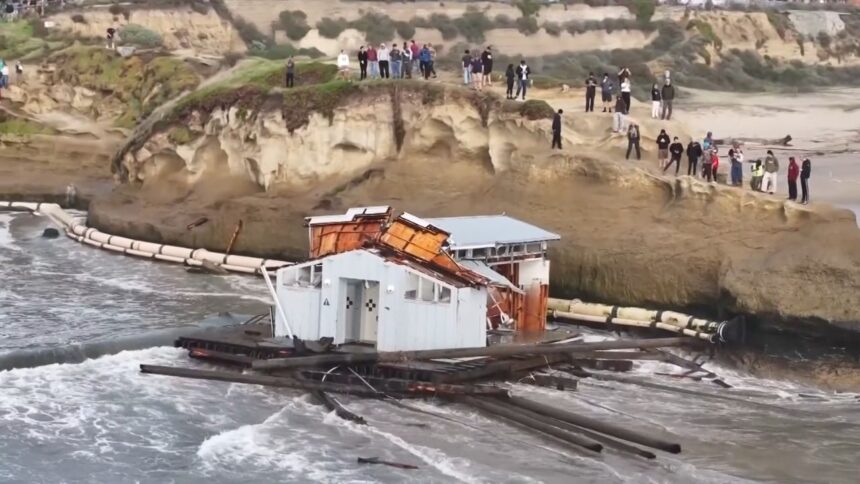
[[495, 351], [528, 422], [332, 404], [596, 425]]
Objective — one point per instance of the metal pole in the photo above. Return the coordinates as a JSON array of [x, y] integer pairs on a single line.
[[274, 295], [496, 351], [596, 425]]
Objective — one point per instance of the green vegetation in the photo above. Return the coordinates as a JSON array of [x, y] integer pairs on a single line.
[[528, 8], [79, 19], [22, 127], [181, 135], [284, 51], [330, 28], [781, 23], [643, 10], [706, 31], [140, 84], [405, 30], [294, 23], [18, 41], [140, 36], [117, 9], [527, 25], [377, 28], [534, 109], [473, 24], [609, 25]]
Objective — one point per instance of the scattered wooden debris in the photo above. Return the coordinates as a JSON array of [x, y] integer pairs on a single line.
[[377, 460]]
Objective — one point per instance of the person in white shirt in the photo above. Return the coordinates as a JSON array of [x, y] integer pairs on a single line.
[[384, 58], [523, 72], [343, 65], [625, 94]]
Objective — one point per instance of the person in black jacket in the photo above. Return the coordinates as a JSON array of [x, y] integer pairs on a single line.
[[362, 63], [805, 173], [663, 142], [510, 77], [675, 150], [667, 95], [556, 130], [656, 97], [590, 92], [633, 141], [487, 65], [694, 152]]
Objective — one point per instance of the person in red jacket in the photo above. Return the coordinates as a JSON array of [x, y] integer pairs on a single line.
[[715, 163], [373, 61], [793, 173]]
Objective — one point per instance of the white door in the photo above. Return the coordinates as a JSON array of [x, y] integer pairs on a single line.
[[369, 311], [351, 309]]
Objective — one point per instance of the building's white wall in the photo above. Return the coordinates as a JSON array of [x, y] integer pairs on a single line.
[[534, 270], [302, 305], [403, 324]]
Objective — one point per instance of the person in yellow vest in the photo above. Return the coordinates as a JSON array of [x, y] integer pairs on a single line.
[[757, 175]]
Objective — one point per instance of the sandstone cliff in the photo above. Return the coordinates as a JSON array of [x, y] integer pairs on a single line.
[[629, 236]]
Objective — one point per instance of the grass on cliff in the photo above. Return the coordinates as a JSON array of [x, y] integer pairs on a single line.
[[142, 84], [23, 128]]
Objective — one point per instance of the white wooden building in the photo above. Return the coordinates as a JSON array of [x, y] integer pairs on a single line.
[[380, 297]]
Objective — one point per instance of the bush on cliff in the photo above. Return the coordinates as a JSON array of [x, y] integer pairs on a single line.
[[294, 23], [141, 85], [140, 36], [331, 28], [377, 28]]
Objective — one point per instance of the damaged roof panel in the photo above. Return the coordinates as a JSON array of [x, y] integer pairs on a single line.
[[379, 211], [489, 231]]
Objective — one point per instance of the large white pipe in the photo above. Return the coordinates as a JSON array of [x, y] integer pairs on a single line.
[[639, 314], [274, 295], [168, 253]]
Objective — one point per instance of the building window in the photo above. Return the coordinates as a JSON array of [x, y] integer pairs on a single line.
[[413, 282], [421, 289], [309, 276]]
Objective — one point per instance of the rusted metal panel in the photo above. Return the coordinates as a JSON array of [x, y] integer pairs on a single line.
[[534, 308], [342, 237]]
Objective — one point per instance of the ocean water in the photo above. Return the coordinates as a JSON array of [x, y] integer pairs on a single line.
[[102, 421]]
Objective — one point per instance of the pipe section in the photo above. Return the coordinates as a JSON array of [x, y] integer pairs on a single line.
[[168, 253]]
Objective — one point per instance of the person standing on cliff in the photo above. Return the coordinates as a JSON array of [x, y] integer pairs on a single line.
[[708, 142], [111, 38], [523, 73], [625, 93], [556, 130], [676, 150], [425, 59], [663, 142], [590, 92], [416, 56], [291, 73], [633, 138], [487, 65], [373, 62], [694, 152], [510, 77], [477, 70], [384, 57], [618, 117], [406, 53], [736, 157], [396, 62], [656, 98], [793, 173], [606, 89], [771, 170], [805, 173], [362, 63], [667, 95], [708, 166], [432, 63], [467, 68], [343, 65]]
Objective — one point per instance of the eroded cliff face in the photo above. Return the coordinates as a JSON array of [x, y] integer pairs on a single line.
[[356, 137], [629, 236]]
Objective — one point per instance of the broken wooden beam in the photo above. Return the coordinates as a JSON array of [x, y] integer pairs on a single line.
[[496, 351], [603, 364], [377, 460], [399, 385], [221, 357], [264, 380], [523, 419], [596, 425], [558, 382], [332, 404]]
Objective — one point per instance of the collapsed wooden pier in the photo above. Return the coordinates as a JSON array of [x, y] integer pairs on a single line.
[[477, 377]]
